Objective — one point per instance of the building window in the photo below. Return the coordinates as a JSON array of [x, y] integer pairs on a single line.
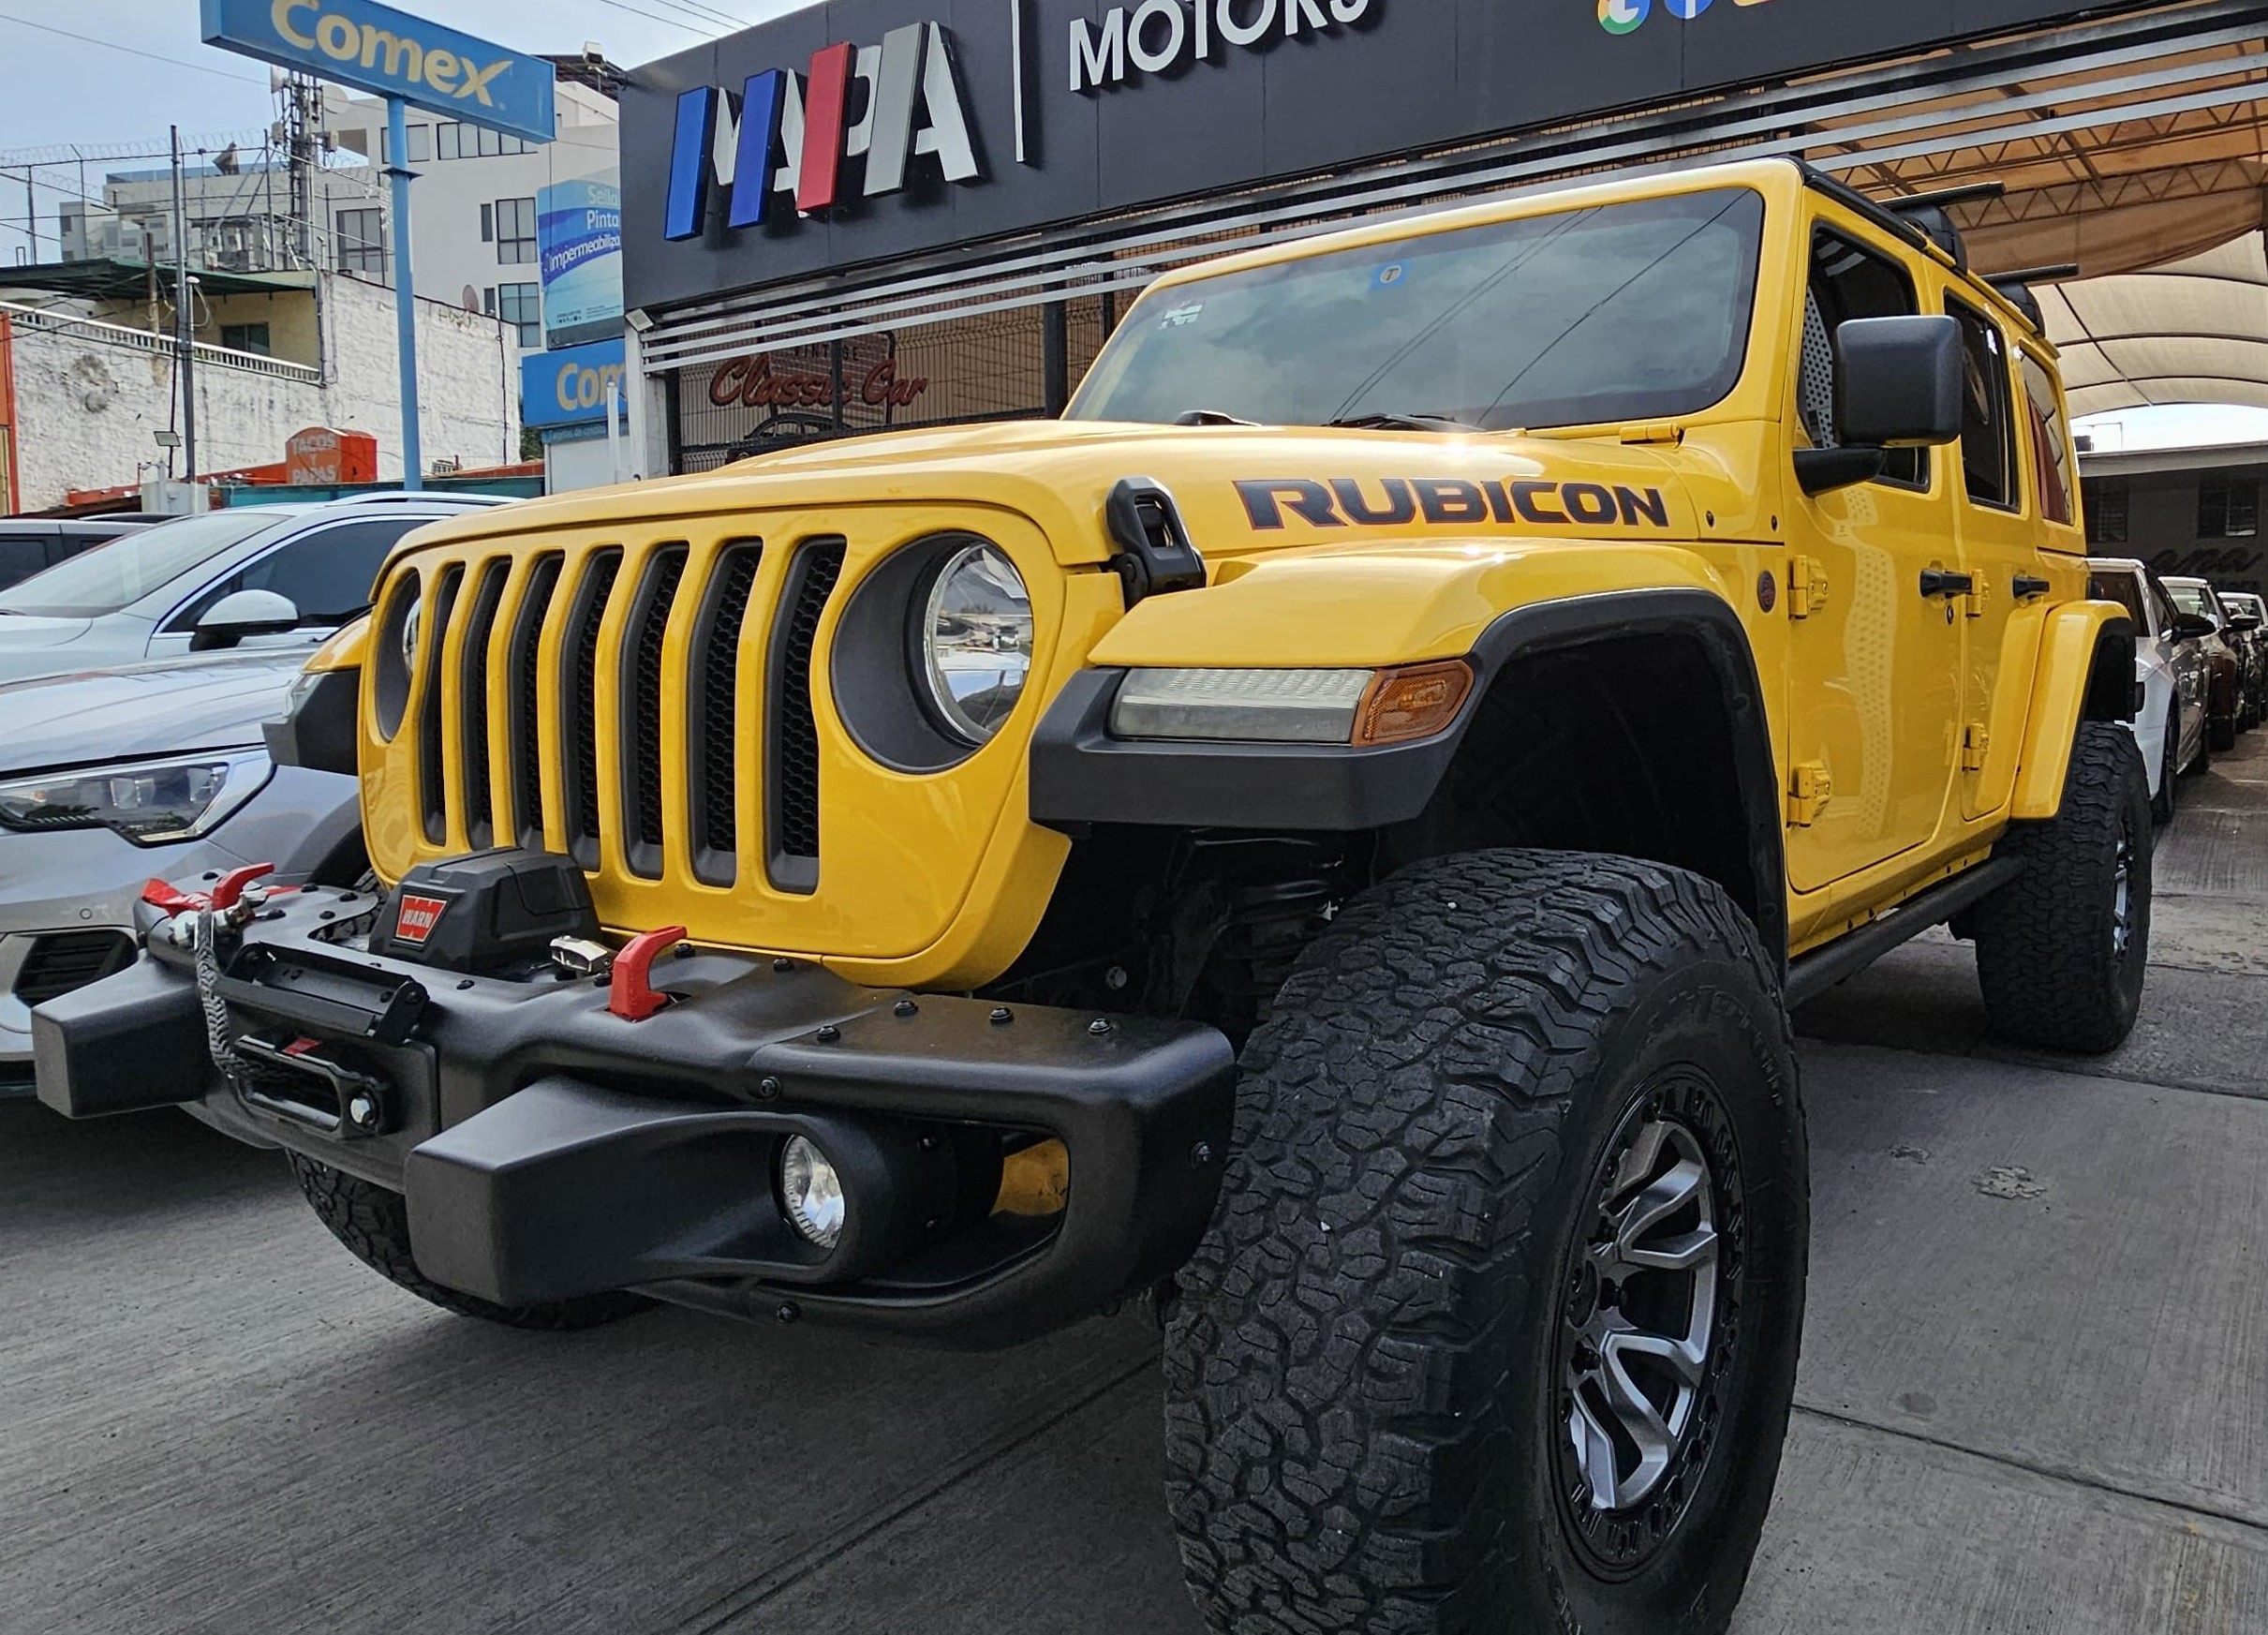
[[523, 305], [362, 241], [246, 337], [515, 222], [471, 142], [2227, 509], [2107, 512], [420, 144]]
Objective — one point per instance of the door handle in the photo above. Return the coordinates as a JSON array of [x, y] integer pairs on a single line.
[[1942, 582], [2028, 586]]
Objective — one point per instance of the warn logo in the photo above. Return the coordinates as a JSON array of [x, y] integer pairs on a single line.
[[418, 917], [791, 134]]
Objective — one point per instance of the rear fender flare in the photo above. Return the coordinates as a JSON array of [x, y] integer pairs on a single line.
[[2085, 673]]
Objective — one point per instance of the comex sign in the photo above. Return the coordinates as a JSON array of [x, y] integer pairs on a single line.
[[569, 387], [377, 49], [786, 134]]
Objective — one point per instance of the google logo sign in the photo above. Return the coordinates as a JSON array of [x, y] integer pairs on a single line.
[[1624, 16]]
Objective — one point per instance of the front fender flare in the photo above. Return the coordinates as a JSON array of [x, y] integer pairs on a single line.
[[1080, 774]]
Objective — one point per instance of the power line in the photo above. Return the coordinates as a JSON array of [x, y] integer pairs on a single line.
[[656, 17], [130, 51]]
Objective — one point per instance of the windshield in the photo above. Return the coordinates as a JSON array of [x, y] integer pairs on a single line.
[[123, 570], [1616, 313], [2194, 599]]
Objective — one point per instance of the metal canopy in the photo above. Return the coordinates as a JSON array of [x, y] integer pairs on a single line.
[[104, 280]]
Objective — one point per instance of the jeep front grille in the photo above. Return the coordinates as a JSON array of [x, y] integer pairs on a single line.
[[601, 625]]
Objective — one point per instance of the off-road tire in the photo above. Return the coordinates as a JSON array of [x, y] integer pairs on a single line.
[[2055, 973], [2168, 797], [1366, 1399], [2221, 731], [374, 1225]]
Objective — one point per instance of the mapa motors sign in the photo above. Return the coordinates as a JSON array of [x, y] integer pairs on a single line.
[[850, 133], [1159, 36], [788, 134], [791, 136]]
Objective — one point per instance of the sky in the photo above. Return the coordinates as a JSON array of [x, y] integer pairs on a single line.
[[137, 67]]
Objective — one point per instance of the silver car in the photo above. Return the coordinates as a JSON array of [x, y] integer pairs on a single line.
[[255, 577], [110, 778]]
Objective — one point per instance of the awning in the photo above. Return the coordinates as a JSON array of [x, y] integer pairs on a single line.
[[2195, 331]]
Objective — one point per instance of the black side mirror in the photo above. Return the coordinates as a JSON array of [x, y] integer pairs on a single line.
[[1898, 383], [2247, 622], [2192, 627]]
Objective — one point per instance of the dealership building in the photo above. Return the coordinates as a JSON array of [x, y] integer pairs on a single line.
[[877, 214]]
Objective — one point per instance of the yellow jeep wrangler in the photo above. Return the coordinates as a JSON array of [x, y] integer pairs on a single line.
[[1324, 837]]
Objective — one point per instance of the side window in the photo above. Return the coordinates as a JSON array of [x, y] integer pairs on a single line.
[[1848, 281], [1987, 450], [328, 575], [2051, 441], [21, 556], [2119, 586]]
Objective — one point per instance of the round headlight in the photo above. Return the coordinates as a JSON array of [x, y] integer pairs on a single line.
[[811, 1193], [412, 617], [976, 641]]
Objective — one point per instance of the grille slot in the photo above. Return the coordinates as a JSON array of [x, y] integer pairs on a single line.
[[528, 744], [69, 960], [579, 702], [639, 682], [472, 695], [713, 714], [792, 779], [431, 771]]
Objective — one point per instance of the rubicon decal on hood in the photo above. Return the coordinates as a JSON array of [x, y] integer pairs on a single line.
[[1446, 502]]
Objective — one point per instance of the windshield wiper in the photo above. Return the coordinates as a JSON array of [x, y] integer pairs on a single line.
[[1210, 417], [1402, 422]]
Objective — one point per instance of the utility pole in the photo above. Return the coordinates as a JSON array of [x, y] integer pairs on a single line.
[[405, 294], [185, 324], [31, 216]]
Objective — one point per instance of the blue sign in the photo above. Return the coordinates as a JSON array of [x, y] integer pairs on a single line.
[[391, 53], [579, 247], [569, 387]]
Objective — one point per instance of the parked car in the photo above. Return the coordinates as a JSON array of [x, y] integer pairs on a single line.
[[2243, 605], [2172, 672], [111, 778], [33, 544], [259, 576], [2222, 642]]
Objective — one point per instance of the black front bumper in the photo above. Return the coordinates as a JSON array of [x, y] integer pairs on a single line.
[[549, 1148]]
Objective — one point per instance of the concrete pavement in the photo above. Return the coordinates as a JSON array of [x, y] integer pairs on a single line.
[[2034, 1395]]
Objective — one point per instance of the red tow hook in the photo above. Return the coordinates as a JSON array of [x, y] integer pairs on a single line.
[[227, 892], [631, 993]]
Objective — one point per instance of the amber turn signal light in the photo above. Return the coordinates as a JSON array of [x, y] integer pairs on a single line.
[[1415, 703]]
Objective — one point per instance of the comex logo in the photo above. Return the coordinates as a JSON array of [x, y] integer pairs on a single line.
[[787, 134], [1623, 15]]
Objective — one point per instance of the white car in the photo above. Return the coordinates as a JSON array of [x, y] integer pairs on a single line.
[[2175, 673], [252, 576]]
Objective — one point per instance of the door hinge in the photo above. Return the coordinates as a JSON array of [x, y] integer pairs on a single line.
[[1974, 599], [1806, 587], [1974, 742], [1809, 789]]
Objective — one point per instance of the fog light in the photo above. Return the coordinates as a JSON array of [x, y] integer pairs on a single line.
[[811, 1193]]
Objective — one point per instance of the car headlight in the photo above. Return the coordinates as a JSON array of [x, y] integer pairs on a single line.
[[975, 639], [412, 619], [1359, 707], [152, 803]]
